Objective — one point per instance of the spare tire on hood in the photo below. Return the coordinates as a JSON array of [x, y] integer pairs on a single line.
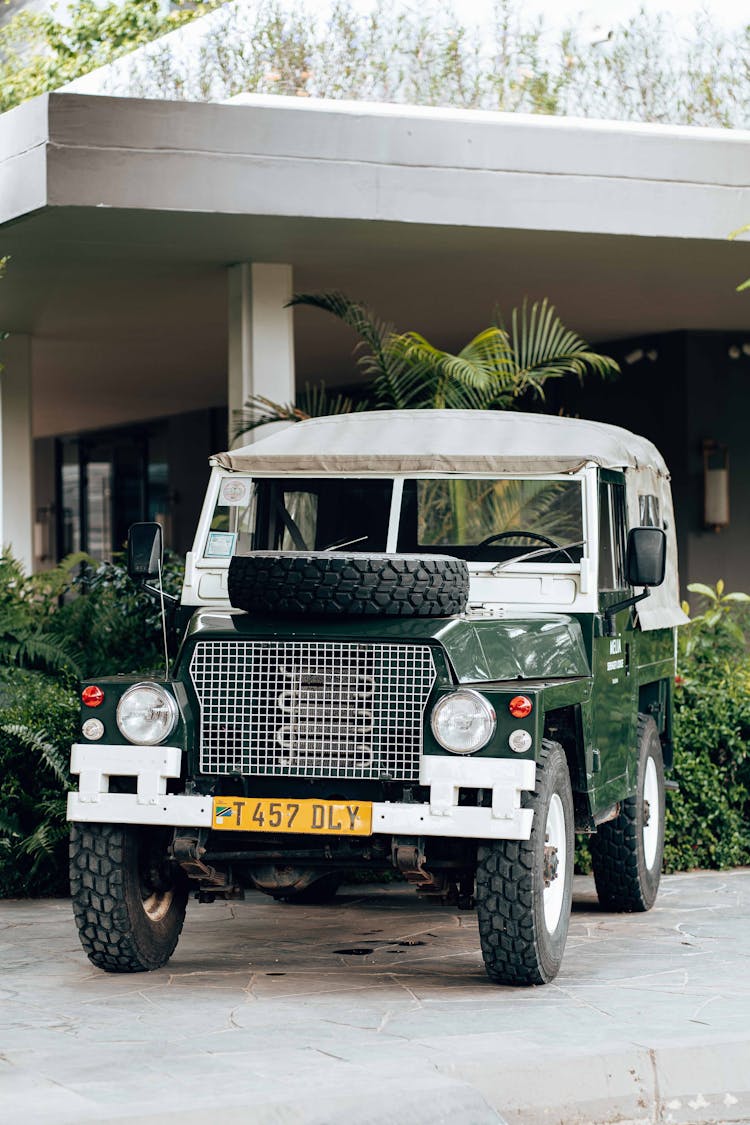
[[331, 584]]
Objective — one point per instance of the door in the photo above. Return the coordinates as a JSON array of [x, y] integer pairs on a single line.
[[105, 483], [615, 702]]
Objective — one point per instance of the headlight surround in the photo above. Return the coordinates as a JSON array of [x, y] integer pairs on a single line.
[[463, 722], [146, 714]]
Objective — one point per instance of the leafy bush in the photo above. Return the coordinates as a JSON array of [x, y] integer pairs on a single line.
[[113, 625], [80, 619], [708, 820], [34, 771]]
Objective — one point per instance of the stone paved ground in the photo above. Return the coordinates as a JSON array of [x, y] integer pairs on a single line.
[[263, 1017]]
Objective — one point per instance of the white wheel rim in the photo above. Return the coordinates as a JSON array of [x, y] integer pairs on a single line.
[[651, 814], [157, 904], [555, 841]]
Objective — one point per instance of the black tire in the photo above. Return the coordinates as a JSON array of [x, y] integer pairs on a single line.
[[329, 584], [522, 942], [129, 902], [626, 853]]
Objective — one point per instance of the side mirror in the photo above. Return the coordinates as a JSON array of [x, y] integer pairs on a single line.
[[145, 550], [646, 556]]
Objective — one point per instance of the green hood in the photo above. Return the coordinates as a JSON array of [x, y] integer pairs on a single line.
[[530, 646]]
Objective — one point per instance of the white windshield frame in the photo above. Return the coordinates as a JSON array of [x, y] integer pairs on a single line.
[[588, 513]]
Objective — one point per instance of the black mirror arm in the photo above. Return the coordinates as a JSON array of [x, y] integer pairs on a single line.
[[610, 611], [157, 593]]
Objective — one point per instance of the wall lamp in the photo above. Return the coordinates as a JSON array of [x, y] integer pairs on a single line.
[[715, 484], [637, 354]]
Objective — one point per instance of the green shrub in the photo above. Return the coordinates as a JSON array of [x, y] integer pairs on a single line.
[[707, 821], [79, 619], [112, 624], [38, 722]]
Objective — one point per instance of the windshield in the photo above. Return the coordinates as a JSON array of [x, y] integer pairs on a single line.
[[493, 520], [478, 520], [305, 514]]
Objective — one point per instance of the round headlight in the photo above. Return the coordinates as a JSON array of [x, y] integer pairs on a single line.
[[463, 722], [146, 714]]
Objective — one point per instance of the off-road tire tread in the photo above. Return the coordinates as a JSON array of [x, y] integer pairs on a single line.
[[330, 584], [505, 899], [97, 884], [614, 853]]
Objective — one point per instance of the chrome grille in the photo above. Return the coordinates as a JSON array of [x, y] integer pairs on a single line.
[[311, 709]]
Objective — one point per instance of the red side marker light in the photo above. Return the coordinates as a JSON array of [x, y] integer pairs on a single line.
[[520, 706], [92, 696]]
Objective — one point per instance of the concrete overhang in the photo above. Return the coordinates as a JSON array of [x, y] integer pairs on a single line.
[[121, 215], [263, 155]]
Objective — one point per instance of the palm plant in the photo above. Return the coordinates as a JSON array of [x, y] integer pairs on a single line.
[[405, 371]]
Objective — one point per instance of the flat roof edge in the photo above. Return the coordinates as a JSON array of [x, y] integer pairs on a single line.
[[24, 126], [24, 135], [388, 136], [540, 121]]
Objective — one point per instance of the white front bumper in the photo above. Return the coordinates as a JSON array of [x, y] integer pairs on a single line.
[[504, 819]]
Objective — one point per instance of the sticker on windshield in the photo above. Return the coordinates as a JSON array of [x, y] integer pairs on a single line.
[[220, 544], [234, 492]]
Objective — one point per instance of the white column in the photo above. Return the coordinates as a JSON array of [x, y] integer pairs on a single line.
[[261, 336], [16, 450]]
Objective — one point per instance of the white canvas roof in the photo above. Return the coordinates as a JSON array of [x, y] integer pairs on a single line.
[[444, 441], [475, 441]]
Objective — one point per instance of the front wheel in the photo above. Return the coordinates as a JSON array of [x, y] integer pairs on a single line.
[[627, 852], [129, 901], [524, 887]]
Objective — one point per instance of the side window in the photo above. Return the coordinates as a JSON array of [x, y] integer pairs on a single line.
[[611, 536], [648, 509]]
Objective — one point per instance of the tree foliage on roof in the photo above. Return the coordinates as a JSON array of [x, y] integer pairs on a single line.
[[653, 67], [41, 51], [666, 67]]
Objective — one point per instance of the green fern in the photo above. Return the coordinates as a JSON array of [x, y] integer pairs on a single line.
[[37, 742], [10, 825]]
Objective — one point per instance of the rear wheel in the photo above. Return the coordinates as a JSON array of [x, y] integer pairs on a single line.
[[524, 887], [129, 901], [627, 852]]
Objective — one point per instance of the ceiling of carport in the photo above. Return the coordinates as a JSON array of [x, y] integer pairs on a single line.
[[128, 309]]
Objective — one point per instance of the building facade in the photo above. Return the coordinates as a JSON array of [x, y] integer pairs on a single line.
[[153, 246]]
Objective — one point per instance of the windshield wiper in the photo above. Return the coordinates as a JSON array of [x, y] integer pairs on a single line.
[[533, 554]]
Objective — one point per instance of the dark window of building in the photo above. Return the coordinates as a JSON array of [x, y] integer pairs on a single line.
[[106, 481]]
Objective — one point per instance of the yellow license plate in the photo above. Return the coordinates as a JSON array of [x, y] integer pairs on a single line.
[[314, 818]]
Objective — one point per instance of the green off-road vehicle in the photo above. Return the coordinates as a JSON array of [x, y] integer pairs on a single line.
[[438, 640]]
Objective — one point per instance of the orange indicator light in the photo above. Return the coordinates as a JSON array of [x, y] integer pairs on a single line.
[[520, 706], [92, 696]]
